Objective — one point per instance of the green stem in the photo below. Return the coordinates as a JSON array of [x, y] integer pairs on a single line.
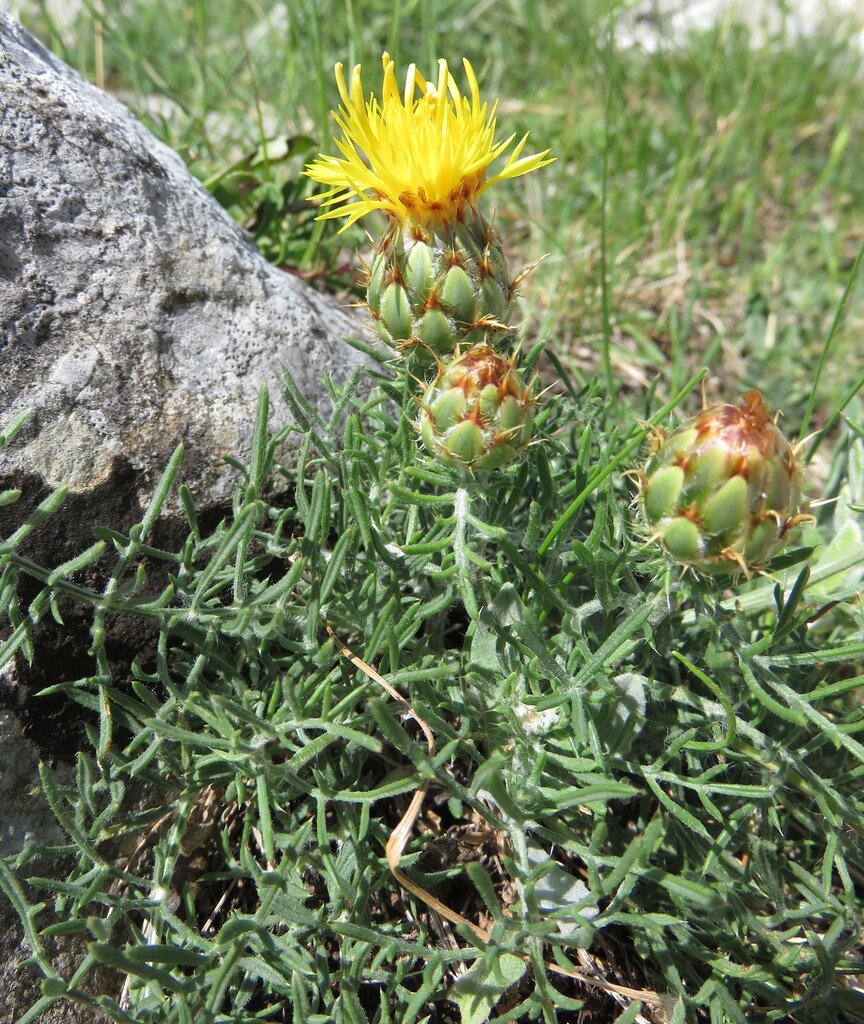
[[811, 402], [604, 239], [461, 506]]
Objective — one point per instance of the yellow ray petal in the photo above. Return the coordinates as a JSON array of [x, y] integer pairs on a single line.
[[421, 154]]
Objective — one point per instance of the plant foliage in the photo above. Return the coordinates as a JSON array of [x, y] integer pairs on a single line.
[[632, 770]]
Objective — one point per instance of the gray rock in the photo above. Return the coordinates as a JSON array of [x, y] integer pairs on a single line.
[[655, 24], [133, 312]]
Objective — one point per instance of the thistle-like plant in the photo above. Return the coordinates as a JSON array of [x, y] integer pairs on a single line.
[[477, 414], [634, 789]]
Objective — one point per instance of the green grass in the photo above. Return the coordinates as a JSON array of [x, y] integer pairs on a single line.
[[733, 198], [689, 754]]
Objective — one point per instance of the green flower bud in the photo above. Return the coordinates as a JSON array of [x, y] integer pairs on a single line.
[[395, 312], [477, 414], [721, 493]]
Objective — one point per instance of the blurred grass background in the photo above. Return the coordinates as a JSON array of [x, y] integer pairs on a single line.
[[714, 175]]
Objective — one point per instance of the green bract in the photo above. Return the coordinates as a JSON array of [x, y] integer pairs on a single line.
[[434, 288], [721, 493], [477, 413]]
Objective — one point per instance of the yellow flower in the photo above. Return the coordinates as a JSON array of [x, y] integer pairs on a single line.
[[419, 158]]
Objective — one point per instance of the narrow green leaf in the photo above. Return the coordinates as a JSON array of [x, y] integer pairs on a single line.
[[47, 507], [12, 428], [106, 954], [604, 654], [258, 459]]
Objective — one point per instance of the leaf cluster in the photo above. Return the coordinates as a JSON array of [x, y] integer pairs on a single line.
[[629, 764]]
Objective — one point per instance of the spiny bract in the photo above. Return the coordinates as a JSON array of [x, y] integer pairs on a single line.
[[477, 414], [437, 287], [721, 493]]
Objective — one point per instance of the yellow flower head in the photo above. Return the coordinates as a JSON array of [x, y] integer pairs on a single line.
[[420, 156]]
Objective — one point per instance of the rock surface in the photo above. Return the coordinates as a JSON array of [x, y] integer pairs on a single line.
[[655, 24], [26, 815], [133, 312]]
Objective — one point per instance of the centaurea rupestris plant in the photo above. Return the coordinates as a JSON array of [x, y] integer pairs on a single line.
[[663, 787]]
